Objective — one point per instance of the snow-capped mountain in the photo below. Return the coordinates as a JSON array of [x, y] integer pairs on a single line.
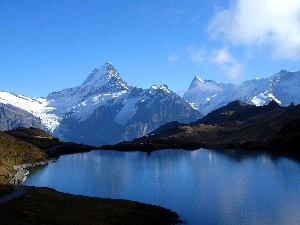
[[126, 116], [104, 109], [100, 86], [207, 95]]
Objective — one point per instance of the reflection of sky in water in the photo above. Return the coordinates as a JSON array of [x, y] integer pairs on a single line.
[[204, 186]]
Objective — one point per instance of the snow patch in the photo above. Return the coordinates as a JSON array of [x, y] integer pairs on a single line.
[[36, 106], [127, 112]]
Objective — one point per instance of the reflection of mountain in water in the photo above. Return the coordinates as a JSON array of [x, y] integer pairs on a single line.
[[241, 155]]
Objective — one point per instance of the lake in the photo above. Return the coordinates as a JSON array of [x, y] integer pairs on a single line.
[[203, 186]]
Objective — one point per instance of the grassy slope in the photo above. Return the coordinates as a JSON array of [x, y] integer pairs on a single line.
[[14, 151], [46, 206]]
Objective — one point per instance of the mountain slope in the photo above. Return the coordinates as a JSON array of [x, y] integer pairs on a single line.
[[207, 95], [128, 116], [35, 108], [101, 86], [11, 116]]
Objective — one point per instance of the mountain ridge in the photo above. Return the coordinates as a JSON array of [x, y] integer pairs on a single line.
[[104, 109], [283, 87]]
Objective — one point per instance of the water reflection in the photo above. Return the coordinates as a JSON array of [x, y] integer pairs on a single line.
[[204, 186]]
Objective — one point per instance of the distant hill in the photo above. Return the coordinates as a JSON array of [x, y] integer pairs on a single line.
[[236, 125], [35, 136], [237, 111]]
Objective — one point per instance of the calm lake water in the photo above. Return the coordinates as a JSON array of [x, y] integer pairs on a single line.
[[203, 186]]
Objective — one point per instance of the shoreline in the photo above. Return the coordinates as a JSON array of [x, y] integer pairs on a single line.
[[21, 173]]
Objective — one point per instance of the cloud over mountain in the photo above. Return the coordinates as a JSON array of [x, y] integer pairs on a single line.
[[274, 24]]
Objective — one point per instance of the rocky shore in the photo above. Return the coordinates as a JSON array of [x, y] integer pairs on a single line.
[[21, 172]]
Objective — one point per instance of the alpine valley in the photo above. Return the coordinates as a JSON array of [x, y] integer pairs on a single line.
[[104, 109]]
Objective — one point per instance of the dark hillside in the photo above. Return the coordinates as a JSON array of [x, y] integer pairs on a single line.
[[35, 136], [236, 111], [47, 142], [271, 128]]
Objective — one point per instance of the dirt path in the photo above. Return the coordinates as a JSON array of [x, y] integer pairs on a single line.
[[18, 191], [19, 178]]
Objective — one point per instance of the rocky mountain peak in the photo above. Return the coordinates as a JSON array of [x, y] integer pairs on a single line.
[[106, 75], [195, 82]]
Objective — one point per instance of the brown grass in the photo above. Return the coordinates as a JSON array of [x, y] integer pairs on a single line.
[[14, 151], [46, 206]]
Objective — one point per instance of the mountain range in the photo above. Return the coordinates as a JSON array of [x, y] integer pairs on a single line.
[[207, 95], [104, 109]]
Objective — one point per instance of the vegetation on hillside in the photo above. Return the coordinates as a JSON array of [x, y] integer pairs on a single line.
[[14, 151], [29, 145]]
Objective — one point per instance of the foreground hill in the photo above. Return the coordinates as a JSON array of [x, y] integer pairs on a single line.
[[236, 125], [46, 206], [29, 145], [14, 151]]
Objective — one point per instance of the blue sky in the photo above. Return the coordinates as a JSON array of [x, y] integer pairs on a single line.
[[47, 46]]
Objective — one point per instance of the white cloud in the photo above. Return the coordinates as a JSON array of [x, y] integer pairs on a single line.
[[274, 23], [227, 63], [221, 56], [196, 54]]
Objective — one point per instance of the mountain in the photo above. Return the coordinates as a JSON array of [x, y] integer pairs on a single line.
[[104, 109], [124, 115], [207, 95]]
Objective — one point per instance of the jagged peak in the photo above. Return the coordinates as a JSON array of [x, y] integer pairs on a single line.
[[286, 72], [154, 87], [197, 79], [165, 88], [106, 75]]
